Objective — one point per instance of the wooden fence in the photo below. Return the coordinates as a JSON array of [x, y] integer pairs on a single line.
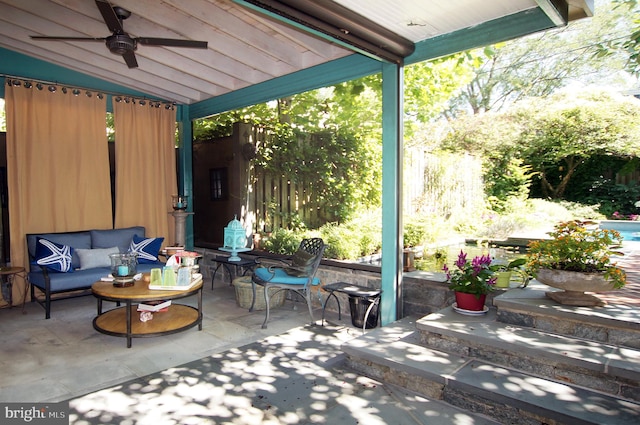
[[279, 201]]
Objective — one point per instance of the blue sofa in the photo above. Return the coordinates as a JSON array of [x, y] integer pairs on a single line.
[[89, 263]]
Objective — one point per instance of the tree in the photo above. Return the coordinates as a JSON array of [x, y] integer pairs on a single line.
[[554, 136], [562, 135], [548, 140], [542, 63], [429, 86], [627, 46]]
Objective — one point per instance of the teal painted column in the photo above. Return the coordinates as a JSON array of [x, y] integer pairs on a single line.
[[392, 93], [185, 166]]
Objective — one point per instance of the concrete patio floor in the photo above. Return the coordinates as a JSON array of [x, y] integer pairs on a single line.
[[230, 372], [63, 357]]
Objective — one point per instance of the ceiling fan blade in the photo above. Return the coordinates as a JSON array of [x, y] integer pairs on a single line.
[[152, 41], [130, 59], [109, 16], [44, 37]]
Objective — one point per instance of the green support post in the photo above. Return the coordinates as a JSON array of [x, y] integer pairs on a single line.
[[392, 93], [185, 166]]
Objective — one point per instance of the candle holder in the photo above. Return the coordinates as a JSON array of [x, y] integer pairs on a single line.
[[179, 202], [123, 268]]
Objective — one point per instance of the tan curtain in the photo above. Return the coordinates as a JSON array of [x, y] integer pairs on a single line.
[[145, 167], [57, 165]]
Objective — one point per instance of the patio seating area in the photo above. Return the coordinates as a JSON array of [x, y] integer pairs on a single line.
[[417, 370]]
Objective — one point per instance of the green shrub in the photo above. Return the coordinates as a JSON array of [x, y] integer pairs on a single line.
[[614, 199], [342, 242], [506, 178], [414, 233], [283, 241], [583, 211]]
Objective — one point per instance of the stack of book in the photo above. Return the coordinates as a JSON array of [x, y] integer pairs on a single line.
[[155, 306]]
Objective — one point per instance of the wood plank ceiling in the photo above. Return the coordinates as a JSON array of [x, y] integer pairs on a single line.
[[244, 47]]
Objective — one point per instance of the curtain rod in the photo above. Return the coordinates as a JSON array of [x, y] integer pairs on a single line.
[[117, 96]]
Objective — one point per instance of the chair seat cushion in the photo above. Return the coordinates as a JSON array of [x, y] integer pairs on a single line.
[[278, 275]]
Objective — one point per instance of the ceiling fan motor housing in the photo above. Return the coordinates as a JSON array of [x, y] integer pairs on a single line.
[[119, 44]]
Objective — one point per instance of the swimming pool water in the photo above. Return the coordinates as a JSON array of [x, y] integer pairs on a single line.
[[629, 230]]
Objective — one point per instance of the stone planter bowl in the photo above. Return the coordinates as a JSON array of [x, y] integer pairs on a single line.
[[574, 286]]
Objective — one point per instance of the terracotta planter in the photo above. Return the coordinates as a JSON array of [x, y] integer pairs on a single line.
[[574, 285], [470, 302]]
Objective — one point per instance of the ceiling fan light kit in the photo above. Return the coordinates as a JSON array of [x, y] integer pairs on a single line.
[[119, 42]]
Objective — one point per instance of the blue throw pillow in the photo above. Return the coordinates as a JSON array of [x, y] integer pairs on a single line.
[[54, 256], [146, 248]]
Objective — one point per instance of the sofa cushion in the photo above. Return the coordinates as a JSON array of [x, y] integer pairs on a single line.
[[59, 282], [146, 248], [76, 240], [54, 256], [97, 257], [115, 237]]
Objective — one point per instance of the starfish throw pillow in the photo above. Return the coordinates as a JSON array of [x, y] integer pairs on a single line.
[[54, 256], [146, 248]]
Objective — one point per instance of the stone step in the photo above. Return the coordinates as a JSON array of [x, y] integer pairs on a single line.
[[393, 354], [603, 367], [529, 307]]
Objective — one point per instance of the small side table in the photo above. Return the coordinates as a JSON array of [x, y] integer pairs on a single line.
[[353, 291], [247, 265], [7, 276]]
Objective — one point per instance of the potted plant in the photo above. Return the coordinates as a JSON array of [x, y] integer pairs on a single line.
[[504, 272], [471, 281], [577, 259], [413, 237]]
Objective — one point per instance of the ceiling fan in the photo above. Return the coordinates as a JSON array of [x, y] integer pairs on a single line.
[[121, 43]]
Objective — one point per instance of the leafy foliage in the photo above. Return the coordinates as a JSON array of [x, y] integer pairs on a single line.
[[627, 46], [545, 142], [615, 200], [562, 136], [342, 242], [414, 233], [574, 246], [282, 241], [542, 63], [507, 179]]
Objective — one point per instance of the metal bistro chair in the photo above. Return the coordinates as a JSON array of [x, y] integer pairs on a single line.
[[298, 276]]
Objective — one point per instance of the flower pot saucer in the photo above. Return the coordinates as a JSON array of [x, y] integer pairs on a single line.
[[455, 307]]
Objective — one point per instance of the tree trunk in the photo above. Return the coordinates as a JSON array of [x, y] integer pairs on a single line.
[[558, 192]]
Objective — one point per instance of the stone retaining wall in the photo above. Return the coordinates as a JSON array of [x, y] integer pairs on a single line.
[[423, 292]]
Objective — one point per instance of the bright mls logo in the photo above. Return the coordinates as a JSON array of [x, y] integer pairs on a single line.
[[35, 413]]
